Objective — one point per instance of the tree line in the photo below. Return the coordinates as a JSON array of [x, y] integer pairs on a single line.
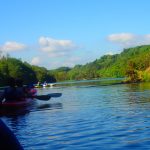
[[12, 67], [133, 63]]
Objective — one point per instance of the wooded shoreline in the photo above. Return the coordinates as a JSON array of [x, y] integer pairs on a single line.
[[132, 63]]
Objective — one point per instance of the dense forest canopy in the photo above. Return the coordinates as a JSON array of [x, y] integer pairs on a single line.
[[12, 67], [130, 62], [113, 65]]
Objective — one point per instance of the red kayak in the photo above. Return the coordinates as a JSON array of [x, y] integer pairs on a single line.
[[18, 103]]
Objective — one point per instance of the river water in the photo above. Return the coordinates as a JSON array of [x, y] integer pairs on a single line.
[[89, 115]]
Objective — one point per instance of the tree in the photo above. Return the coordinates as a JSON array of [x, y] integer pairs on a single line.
[[131, 72]]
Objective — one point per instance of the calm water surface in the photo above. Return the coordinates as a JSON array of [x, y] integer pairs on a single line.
[[89, 115]]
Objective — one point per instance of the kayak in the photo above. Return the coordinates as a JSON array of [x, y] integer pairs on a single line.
[[17, 107], [38, 86], [45, 85], [41, 86], [18, 103]]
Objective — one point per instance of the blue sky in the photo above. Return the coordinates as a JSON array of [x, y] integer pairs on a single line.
[[55, 33]]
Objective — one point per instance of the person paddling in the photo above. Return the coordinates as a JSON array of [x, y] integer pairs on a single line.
[[16, 91], [9, 93], [20, 90], [30, 90]]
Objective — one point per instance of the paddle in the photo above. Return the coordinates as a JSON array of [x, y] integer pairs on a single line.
[[47, 97], [55, 94], [42, 97]]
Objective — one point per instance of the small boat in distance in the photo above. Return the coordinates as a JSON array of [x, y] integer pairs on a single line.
[[38, 85], [51, 84], [45, 84]]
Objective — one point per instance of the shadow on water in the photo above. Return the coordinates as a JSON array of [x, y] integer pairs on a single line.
[[13, 112], [49, 106], [23, 111], [16, 118]]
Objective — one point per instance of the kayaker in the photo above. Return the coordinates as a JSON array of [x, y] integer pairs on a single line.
[[10, 92], [30, 90], [38, 83], [20, 90], [16, 91], [24, 91], [45, 83]]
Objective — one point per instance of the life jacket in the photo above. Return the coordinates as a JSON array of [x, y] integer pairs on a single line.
[[20, 93]]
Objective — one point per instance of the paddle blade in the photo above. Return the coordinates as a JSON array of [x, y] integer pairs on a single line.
[[55, 94], [42, 97], [47, 97]]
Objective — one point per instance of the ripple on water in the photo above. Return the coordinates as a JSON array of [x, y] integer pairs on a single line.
[[87, 117]]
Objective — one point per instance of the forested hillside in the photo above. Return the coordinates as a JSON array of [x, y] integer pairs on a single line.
[[12, 67], [131, 62], [117, 65]]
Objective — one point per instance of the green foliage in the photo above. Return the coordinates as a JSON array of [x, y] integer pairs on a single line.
[[146, 76], [12, 67], [130, 63], [60, 74], [110, 66], [65, 69], [131, 72]]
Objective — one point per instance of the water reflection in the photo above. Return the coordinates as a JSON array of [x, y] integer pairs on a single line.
[[138, 87], [21, 112], [138, 93], [90, 83], [50, 106], [11, 112]]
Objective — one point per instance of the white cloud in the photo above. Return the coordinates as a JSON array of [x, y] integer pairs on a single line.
[[55, 47], [72, 61], [69, 62], [11, 46], [35, 61], [110, 53], [129, 39], [122, 37]]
